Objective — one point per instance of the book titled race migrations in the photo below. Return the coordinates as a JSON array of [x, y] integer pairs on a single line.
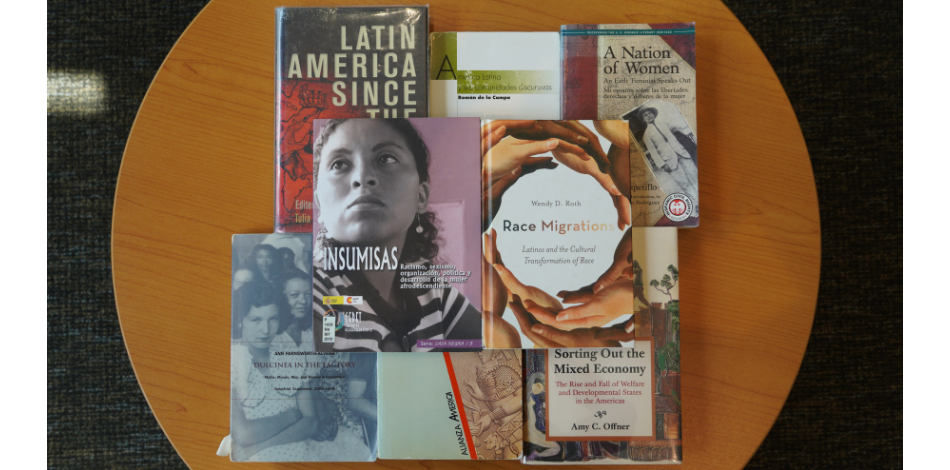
[[495, 75], [397, 206], [340, 62], [453, 406], [605, 405], [564, 266], [289, 403], [644, 74]]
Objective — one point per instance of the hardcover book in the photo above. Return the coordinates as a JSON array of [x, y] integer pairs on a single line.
[[340, 62], [606, 405], [644, 74], [289, 403], [563, 266], [451, 406], [397, 205], [495, 75]]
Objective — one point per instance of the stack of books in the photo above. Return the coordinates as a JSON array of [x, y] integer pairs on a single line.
[[503, 204]]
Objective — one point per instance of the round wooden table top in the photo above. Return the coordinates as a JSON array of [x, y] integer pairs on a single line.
[[199, 167]]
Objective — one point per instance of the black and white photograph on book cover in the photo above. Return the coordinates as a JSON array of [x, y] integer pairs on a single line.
[[289, 403], [397, 210], [669, 147]]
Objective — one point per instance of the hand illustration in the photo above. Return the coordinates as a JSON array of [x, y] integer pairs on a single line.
[[498, 332], [494, 292], [569, 140], [592, 147], [545, 336], [596, 308], [510, 154], [619, 170], [590, 168], [617, 132], [503, 165], [515, 287], [482, 424], [622, 267]]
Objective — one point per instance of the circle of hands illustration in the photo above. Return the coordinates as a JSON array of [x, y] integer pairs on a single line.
[[510, 150]]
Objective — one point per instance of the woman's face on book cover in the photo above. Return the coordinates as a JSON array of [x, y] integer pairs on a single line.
[[368, 189], [260, 326], [298, 295], [264, 261]]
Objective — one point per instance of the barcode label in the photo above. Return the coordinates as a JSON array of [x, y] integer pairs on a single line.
[[328, 324]]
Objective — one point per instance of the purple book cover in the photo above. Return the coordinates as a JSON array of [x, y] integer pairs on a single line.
[[397, 214]]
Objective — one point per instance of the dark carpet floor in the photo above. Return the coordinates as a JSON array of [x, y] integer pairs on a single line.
[[841, 64]]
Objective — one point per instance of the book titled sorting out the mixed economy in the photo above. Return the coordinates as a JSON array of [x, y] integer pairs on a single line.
[[564, 267], [340, 62], [644, 74], [396, 261], [606, 405], [289, 403], [450, 406], [495, 75]]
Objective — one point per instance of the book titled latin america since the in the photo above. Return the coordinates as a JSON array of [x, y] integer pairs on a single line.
[[340, 62]]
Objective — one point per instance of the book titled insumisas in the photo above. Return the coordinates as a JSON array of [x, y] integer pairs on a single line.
[[289, 403], [451, 406], [564, 267], [644, 74], [396, 261], [340, 62]]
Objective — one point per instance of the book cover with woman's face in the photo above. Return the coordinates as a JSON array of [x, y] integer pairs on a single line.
[[289, 403], [397, 214]]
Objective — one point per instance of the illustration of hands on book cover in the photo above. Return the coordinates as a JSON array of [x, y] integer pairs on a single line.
[[344, 62], [461, 405], [396, 263], [562, 266], [289, 403], [495, 75], [644, 74]]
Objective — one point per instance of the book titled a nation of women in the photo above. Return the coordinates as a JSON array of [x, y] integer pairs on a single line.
[[340, 62], [396, 265], [289, 403], [451, 406], [644, 74], [564, 267]]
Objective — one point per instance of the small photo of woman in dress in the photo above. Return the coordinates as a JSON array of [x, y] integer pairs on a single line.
[[667, 143], [375, 228]]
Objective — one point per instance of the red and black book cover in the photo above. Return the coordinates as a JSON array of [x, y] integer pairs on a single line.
[[353, 62]]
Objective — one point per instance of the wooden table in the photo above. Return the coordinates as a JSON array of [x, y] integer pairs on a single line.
[[199, 167]]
